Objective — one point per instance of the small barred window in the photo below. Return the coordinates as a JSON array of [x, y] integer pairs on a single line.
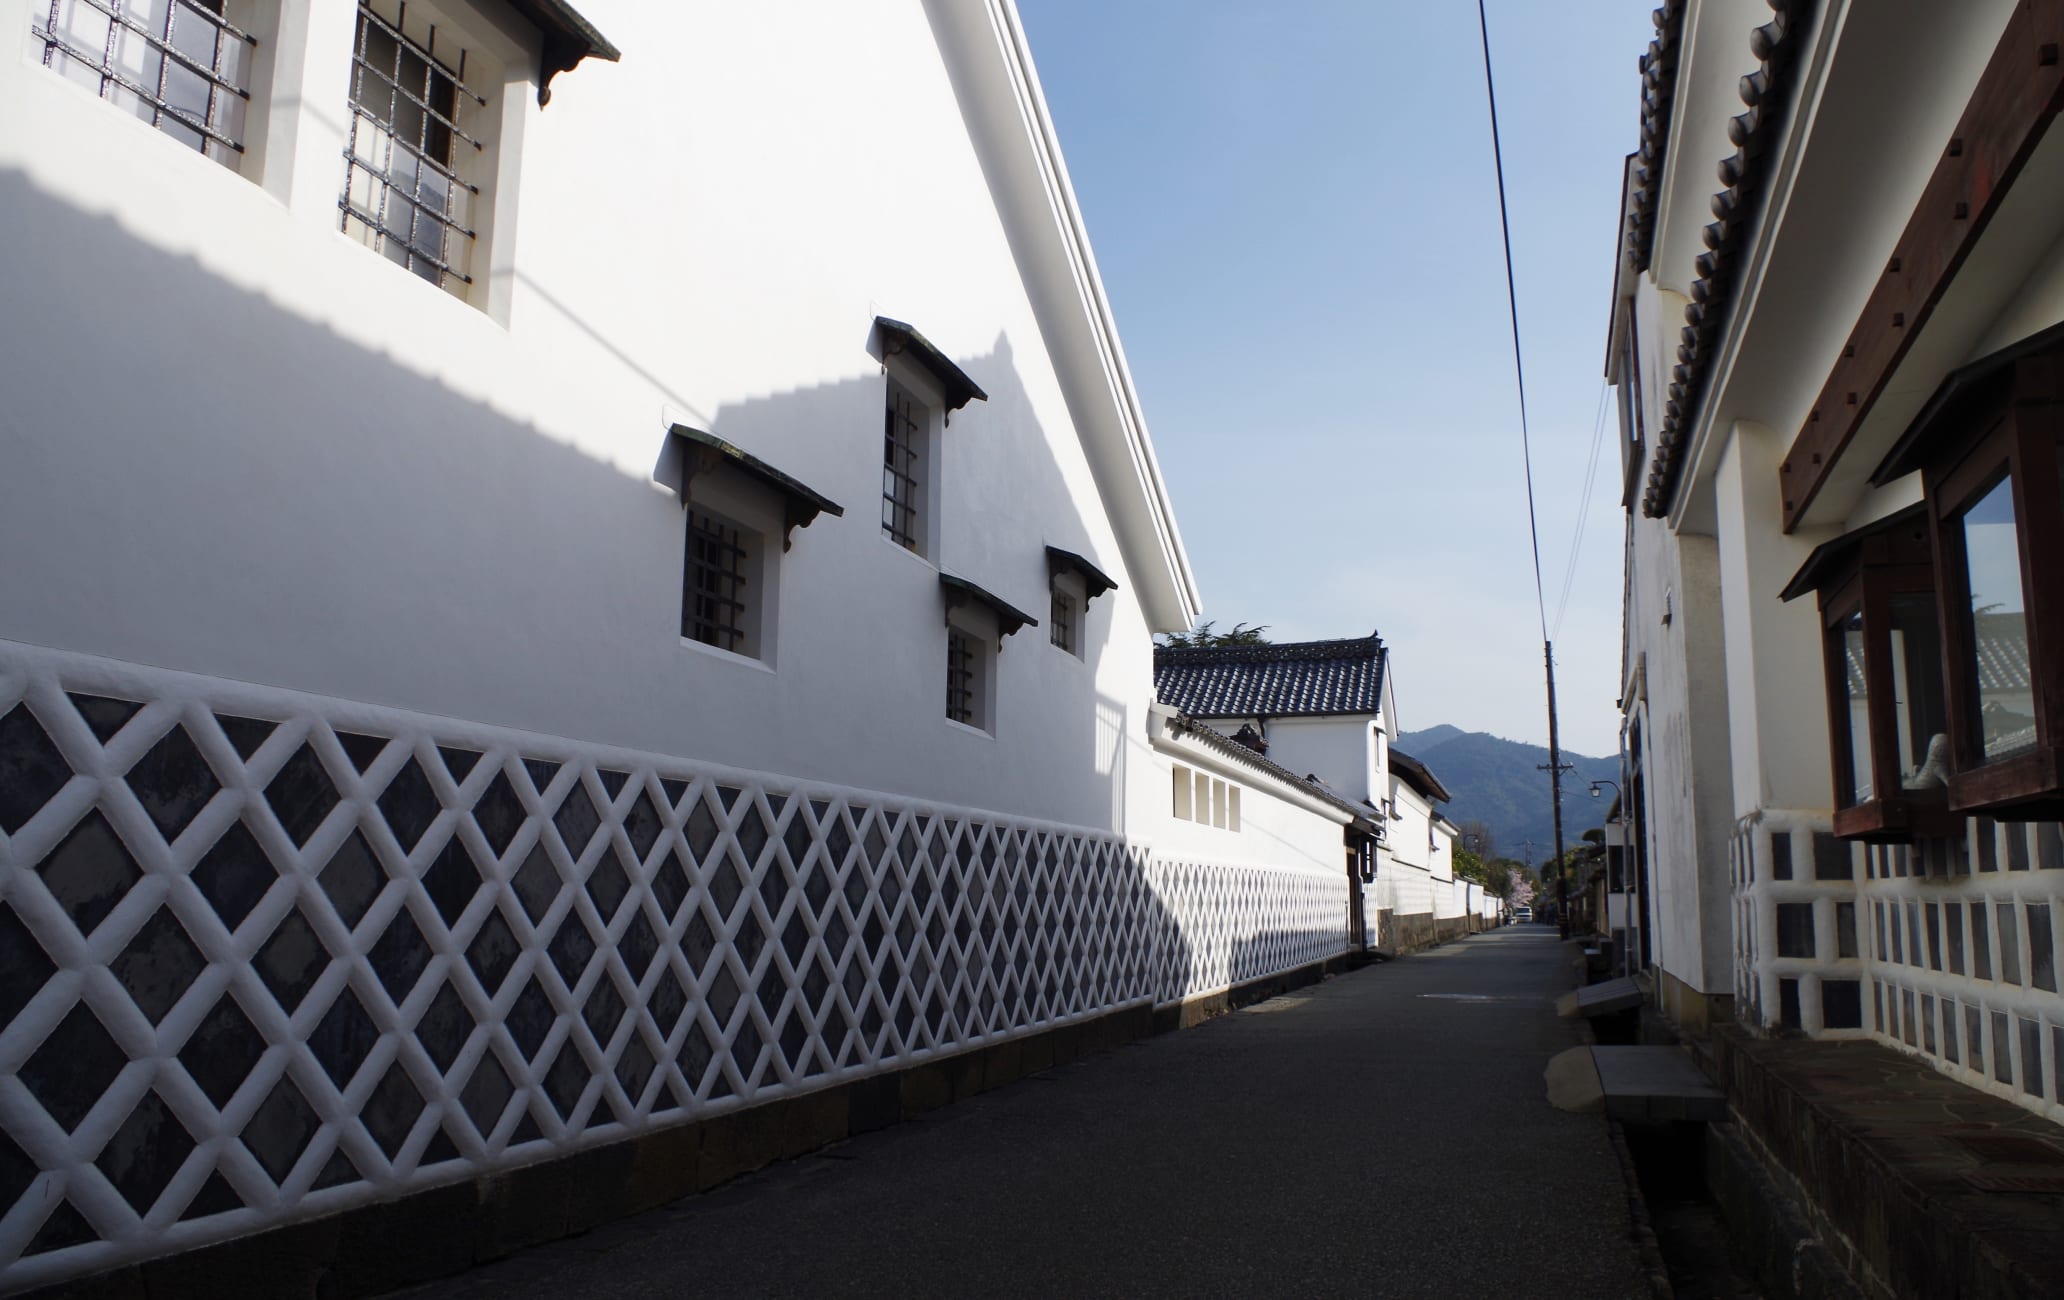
[[410, 164], [902, 455], [179, 66], [1061, 621], [962, 685], [713, 602]]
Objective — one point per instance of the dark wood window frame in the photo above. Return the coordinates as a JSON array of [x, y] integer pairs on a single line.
[[1999, 417], [1861, 574]]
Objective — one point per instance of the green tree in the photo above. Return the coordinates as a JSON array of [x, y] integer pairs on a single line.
[[1206, 633]]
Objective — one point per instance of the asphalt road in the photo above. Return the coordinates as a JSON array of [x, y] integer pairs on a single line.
[[1384, 1133]]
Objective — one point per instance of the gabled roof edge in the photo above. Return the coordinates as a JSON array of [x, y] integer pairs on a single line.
[[1098, 377]]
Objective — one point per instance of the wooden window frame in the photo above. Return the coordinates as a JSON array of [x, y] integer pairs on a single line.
[[2022, 426]]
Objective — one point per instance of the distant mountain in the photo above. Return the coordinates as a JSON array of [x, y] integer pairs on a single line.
[[1504, 783]]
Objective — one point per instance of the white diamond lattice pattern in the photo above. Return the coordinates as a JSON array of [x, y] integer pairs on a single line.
[[265, 956]]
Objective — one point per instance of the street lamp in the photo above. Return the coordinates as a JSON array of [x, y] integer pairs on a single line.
[[1602, 781]]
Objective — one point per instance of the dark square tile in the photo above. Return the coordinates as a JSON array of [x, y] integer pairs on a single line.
[[607, 886], [445, 1026], [291, 960], [104, 715], [670, 884], [604, 1010], [73, 1067], [215, 1197], [566, 1080], [223, 1051], [400, 956], [234, 875], [353, 878], [577, 820], [361, 750], [458, 762], [159, 965], [302, 794], [634, 1068], [89, 871], [24, 969], [642, 824], [409, 805], [571, 949], [486, 1095], [701, 830], [493, 951], [145, 1153], [536, 883], [344, 1038], [245, 735], [31, 769], [451, 880], [530, 1018], [499, 814], [65, 1228], [173, 782], [638, 945], [391, 1111]]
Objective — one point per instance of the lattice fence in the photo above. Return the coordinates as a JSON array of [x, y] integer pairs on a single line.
[[265, 956]]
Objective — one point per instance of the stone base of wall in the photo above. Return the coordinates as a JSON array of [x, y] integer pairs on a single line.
[[1898, 1170], [1693, 1012], [445, 1230], [1400, 933]]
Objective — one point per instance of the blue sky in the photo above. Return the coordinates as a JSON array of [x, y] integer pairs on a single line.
[[1295, 213]]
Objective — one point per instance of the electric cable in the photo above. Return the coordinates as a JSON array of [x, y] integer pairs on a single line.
[[1512, 304]]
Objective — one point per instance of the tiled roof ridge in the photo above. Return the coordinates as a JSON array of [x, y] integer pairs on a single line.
[[1767, 93], [1658, 100], [1364, 647]]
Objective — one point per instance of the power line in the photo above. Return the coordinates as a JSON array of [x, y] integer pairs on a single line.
[[1512, 303], [1569, 575]]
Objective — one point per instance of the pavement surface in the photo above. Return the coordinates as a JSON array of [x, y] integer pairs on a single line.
[[1384, 1133]]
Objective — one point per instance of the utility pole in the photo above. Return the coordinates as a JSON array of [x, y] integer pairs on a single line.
[[1555, 771]]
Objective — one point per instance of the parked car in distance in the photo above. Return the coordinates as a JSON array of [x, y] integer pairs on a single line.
[[1522, 914]]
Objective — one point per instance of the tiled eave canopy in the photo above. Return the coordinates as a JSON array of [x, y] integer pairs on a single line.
[[898, 339], [1418, 775], [1744, 174], [700, 453], [2017, 97], [567, 39], [1830, 560], [959, 591], [1658, 95], [1094, 580]]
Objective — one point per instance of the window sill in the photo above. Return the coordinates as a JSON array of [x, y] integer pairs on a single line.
[[917, 557], [2027, 786], [727, 656], [1907, 816], [970, 730]]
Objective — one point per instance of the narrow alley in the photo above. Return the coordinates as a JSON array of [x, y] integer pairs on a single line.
[[1383, 1133]]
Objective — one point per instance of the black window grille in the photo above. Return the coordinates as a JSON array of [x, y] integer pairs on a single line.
[[405, 190], [1061, 621], [961, 660], [903, 435], [713, 604], [178, 65]]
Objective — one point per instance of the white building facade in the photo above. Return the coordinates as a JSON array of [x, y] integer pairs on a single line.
[[530, 622], [1842, 496]]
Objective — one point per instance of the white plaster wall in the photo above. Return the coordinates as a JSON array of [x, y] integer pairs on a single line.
[[1341, 751], [1776, 694], [1683, 717], [237, 443], [1273, 830]]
